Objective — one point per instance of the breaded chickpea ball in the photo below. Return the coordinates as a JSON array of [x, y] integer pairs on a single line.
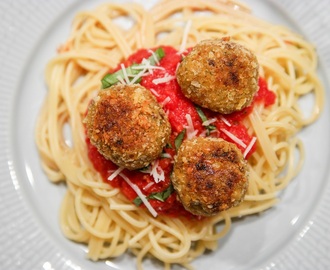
[[210, 175], [219, 75], [127, 125]]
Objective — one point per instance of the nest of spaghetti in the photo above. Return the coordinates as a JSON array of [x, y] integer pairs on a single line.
[[194, 130]]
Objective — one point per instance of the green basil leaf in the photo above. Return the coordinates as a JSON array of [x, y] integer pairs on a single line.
[[203, 117], [169, 145], [209, 128], [178, 140], [111, 79], [159, 53], [168, 192], [160, 196], [137, 201], [201, 114], [108, 80], [163, 195], [163, 155]]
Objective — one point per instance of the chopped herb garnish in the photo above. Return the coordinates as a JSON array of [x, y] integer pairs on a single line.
[[169, 145], [203, 117], [178, 140], [159, 53], [111, 79], [210, 128], [137, 201], [201, 114], [160, 196]]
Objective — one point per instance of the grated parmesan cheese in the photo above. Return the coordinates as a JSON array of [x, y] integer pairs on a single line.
[[225, 121], [145, 64], [145, 68], [157, 172], [120, 79], [165, 79], [249, 147], [209, 122], [115, 173], [204, 133], [154, 56], [138, 76], [140, 194], [166, 155], [191, 132], [150, 184], [234, 138], [125, 73], [177, 67], [165, 101], [154, 92]]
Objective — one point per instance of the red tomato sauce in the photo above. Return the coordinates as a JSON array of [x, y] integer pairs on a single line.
[[177, 107]]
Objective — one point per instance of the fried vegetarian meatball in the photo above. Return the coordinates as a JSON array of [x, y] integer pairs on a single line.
[[220, 75], [210, 175], [127, 125]]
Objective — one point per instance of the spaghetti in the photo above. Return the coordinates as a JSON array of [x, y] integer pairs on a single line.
[[99, 215]]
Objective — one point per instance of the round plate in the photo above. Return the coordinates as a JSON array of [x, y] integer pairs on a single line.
[[293, 235]]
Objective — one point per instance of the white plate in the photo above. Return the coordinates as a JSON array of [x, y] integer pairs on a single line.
[[293, 235]]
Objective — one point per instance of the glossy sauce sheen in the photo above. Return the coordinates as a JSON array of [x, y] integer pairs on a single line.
[[177, 107]]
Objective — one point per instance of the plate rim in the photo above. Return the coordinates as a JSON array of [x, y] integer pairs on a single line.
[[306, 237]]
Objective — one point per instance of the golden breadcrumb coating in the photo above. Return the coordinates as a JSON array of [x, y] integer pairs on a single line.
[[210, 175], [127, 125], [219, 75]]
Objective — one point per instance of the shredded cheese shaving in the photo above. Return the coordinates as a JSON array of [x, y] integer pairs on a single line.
[[209, 122], [191, 132], [125, 73], [157, 172], [165, 79], [140, 194], [115, 173], [138, 76], [145, 68], [225, 121], [150, 184], [120, 79], [249, 147], [154, 92], [145, 64], [166, 155], [154, 56], [234, 138], [165, 101], [177, 67]]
